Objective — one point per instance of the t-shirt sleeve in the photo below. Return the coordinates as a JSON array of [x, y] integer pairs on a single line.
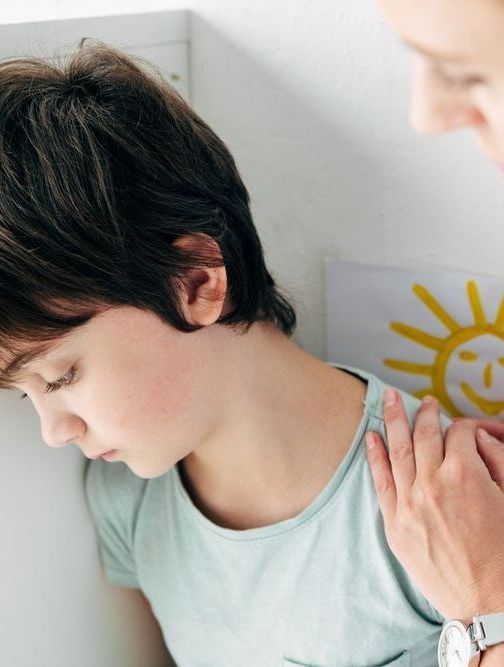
[[113, 496]]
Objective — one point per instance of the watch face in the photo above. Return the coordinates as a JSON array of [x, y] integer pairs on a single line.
[[454, 645]]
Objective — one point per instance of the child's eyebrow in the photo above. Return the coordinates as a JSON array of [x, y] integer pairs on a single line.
[[10, 372]]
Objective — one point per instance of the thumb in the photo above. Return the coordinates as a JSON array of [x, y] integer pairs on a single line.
[[491, 451]]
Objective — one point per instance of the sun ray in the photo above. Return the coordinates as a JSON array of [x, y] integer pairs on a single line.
[[476, 305], [499, 320], [436, 308], [420, 337], [409, 367]]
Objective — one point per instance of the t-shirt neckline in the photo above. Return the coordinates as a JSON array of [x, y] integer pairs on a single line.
[[317, 504]]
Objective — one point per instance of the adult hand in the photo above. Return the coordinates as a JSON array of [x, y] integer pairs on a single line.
[[492, 426], [442, 502]]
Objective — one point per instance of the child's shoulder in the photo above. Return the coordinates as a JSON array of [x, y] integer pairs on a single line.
[[375, 397]]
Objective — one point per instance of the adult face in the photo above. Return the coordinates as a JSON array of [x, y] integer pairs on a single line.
[[458, 69]]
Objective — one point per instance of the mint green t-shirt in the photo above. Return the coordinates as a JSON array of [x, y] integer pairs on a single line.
[[321, 589]]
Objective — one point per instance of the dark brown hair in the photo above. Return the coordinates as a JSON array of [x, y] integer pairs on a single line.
[[102, 166]]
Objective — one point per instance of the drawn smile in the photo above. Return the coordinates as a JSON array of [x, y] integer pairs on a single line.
[[487, 406]]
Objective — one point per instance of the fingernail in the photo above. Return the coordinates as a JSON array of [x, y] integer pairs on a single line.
[[370, 440], [390, 397], [485, 437], [428, 400]]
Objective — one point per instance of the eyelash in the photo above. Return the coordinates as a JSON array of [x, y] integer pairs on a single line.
[[464, 83], [64, 381]]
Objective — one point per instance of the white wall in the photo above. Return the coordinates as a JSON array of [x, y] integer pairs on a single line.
[[312, 99], [56, 608]]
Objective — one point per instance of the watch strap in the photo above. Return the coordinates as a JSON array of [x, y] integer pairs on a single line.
[[488, 629]]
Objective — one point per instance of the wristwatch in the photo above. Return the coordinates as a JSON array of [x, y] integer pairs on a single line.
[[461, 645]]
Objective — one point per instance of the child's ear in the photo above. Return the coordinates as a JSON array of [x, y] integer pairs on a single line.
[[203, 292]]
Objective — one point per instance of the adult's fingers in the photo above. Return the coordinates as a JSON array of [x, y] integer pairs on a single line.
[[400, 442], [382, 475], [492, 453], [427, 437], [460, 441], [491, 426]]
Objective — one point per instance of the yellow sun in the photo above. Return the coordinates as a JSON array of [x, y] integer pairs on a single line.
[[480, 345]]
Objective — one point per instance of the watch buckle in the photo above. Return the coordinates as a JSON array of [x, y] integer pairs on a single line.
[[477, 633]]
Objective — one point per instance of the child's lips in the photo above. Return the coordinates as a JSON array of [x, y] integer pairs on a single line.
[[98, 456]]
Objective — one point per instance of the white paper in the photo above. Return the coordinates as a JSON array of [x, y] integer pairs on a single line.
[[427, 332]]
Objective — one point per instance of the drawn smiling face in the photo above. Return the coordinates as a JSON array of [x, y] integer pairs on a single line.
[[473, 373], [467, 372]]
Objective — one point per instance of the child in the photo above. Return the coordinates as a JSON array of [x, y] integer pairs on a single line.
[[138, 316]]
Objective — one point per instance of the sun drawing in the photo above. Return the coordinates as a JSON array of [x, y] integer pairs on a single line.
[[467, 373]]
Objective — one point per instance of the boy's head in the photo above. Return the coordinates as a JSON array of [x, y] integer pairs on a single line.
[[122, 216]]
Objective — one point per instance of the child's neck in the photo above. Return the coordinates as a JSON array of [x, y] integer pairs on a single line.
[[288, 420]]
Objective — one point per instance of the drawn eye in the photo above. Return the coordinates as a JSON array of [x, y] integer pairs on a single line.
[[468, 356]]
